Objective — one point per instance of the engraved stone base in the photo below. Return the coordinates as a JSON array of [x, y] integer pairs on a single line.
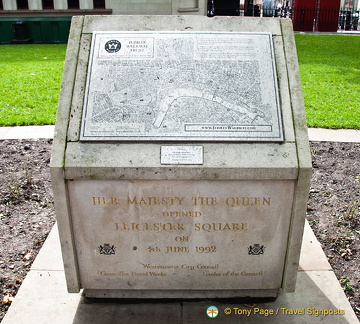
[[176, 235], [219, 214]]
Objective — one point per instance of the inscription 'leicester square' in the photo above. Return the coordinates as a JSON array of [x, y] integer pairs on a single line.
[[188, 229], [180, 162]]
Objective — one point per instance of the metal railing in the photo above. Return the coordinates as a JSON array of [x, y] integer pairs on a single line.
[[349, 20], [304, 19], [324, 20]]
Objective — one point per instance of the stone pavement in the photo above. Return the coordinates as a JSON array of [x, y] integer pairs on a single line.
[[27, 132], [43, 299]]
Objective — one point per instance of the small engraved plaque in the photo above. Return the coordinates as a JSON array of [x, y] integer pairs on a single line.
[[182, 155], [181, 86]]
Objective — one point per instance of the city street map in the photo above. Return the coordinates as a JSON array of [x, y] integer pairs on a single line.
[[181, 86]]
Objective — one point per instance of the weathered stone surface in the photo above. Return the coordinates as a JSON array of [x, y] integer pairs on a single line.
[[181, 234]]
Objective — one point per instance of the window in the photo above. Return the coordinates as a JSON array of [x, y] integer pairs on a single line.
[[48, 4], [22, 4], [1, 5], [73, 4], [99, 4]]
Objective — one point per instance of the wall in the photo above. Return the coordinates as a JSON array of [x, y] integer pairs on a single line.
[[118, 7]]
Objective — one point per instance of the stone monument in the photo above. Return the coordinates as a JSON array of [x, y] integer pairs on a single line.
[[181, 163]]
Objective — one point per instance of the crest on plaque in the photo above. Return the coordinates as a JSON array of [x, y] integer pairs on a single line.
[[112, 46], [107, 249], [256, 249]]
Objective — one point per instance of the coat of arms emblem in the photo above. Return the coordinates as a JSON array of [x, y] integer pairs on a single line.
[[107, 249], [256, 249]]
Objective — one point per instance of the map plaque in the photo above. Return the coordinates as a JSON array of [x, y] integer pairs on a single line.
[[192, 86]]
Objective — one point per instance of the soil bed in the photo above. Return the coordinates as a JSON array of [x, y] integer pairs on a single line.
[[27, 213]]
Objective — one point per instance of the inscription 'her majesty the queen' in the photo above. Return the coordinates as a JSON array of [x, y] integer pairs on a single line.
[[182, 227], [178, 201]]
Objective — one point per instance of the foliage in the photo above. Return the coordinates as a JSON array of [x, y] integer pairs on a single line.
[[330, 75], [30, 78]]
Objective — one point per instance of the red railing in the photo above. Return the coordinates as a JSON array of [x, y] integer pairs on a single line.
[[304, 19]]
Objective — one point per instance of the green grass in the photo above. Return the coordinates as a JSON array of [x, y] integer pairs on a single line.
[[30, 79], [330, 75]]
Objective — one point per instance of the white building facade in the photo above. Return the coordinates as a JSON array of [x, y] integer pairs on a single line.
[[116, 7]]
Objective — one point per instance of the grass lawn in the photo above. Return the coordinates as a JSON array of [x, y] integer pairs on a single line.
[[30, 79], [330, 75]]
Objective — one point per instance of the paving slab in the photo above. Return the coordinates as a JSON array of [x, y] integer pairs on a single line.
[[49, 257], [308, 260], [334, 135], [43, 299], [315, 296], [4, 131], [27, 132], [133, 312]]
